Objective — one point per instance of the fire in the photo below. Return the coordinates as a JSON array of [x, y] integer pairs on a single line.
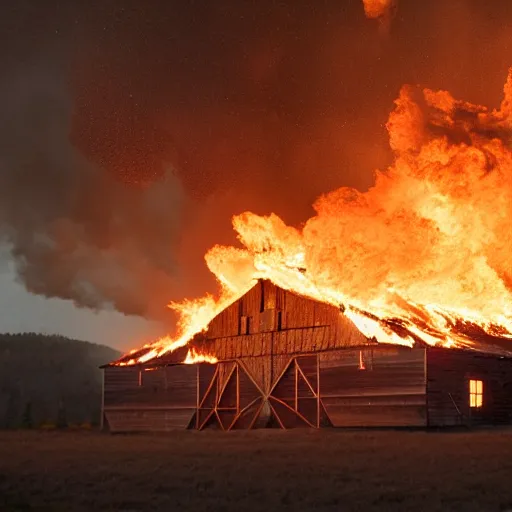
[[194, 357], [424, 255]]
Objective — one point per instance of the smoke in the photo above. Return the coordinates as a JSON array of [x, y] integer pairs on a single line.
[[131, 132], [75, 231]]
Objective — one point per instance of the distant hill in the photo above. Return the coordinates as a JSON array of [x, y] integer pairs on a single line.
[[50, 379]]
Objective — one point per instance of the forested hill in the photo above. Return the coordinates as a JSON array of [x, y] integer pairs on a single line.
[[50, 380]]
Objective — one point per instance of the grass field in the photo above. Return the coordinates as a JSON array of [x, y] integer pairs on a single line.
[[257, 470]]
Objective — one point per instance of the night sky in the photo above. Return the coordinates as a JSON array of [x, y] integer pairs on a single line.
[[131, 131]]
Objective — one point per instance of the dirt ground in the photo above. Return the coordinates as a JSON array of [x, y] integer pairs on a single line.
[[257, 470]]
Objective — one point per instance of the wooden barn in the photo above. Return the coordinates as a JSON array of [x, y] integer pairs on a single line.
[[288, 361]]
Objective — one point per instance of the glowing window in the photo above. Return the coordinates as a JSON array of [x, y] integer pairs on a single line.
[[476, 393]]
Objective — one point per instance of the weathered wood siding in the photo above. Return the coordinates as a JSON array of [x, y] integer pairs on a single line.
[[381, 386], [268, 320], [149, 399], [448, 376], [374, 386], [377, 387]]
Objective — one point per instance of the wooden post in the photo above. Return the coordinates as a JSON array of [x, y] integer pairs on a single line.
[[318, 391], [425, 366], [272, 356], [237, 388], [197, 396], [296, 384]]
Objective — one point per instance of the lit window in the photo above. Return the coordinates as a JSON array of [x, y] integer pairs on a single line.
[[476, 393]]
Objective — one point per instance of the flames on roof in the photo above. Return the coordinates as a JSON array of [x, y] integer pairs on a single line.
[[424, 256]]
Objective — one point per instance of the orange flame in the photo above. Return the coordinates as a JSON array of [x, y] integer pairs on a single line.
[[194, 357], [427, 249]]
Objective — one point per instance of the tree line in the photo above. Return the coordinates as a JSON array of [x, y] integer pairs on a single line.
[[50, 381]]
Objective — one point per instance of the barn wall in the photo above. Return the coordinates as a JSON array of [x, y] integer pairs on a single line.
[[377, 387], [448, 375], [149, 399], [374, 387], [365, 387], [381, 386], [268, 320]]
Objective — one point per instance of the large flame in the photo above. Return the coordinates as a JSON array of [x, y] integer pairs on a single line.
[[425, 254]]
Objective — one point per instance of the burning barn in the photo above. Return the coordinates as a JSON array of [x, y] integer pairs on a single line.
[[390, 307], [279, 359]]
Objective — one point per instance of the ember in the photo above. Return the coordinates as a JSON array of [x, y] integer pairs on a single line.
[[421, 257]]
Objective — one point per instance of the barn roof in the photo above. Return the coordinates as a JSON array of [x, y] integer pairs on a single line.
[[224, 339]]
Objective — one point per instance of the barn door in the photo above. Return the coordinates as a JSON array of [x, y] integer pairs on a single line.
[[294, 396], [260, 392]]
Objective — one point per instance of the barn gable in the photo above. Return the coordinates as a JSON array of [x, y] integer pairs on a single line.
[[269, 320]]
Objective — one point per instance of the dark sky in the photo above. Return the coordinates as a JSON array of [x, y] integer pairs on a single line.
[[131, 131]]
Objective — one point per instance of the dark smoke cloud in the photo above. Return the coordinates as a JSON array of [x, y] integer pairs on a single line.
[[76, 231], [131, 131]]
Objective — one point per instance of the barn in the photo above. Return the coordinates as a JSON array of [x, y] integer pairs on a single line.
[[287, 361]]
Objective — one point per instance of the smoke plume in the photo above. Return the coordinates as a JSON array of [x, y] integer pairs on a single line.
[[75, 231], [130, 132]]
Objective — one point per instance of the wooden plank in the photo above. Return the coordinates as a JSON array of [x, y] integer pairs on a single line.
[[389, 392], [250, 385], [149, 420], [121, 377], [344, 415], [308, 368], [228, 393], [225, 370], [286, 384], [279, 363]]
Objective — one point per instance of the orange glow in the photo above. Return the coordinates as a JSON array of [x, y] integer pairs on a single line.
[[423, 256], [377, 8], [194, 357], [476, 393]]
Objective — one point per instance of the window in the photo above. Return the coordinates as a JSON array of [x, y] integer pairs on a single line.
[[476, 393]]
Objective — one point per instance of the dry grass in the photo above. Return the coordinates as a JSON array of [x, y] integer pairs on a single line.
[[258, 470]]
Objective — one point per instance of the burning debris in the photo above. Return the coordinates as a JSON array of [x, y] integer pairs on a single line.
[[421, 257]]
